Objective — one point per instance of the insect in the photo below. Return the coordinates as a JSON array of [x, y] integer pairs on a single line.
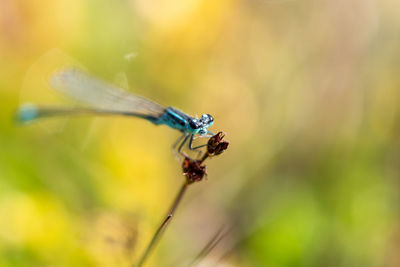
[[102, 98]]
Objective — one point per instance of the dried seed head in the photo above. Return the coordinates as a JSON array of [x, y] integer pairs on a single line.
[[221, 147], [193, 170], [216, 145]]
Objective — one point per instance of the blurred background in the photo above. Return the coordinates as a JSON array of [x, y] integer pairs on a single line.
[[307, 92]]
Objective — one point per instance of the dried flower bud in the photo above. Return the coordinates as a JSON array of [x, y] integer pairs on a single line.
[[216, 145], [221, 147], [193, 170]]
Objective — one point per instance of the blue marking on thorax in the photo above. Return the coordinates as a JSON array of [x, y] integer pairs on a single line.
[[174, 119]]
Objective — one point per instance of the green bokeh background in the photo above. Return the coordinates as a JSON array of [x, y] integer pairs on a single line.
[[308, 93]]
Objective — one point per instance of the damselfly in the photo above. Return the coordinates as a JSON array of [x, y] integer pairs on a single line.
[[102, 98]]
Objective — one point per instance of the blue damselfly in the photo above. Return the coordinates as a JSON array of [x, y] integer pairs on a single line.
[[102, 98]]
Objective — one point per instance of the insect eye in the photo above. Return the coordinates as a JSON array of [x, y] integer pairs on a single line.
[[194, 124], [207, 118]]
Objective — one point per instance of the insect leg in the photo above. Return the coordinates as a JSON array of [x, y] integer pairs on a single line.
[[176, 143], [182, 144], [196, 148]]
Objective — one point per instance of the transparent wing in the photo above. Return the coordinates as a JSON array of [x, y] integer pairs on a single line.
[[101, 95]]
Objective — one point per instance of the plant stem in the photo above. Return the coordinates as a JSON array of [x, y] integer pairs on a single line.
[[164, 224], [212, 243], [205, 156]]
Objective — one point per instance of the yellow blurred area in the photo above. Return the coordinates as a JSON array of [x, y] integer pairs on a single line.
[[306, 91]]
